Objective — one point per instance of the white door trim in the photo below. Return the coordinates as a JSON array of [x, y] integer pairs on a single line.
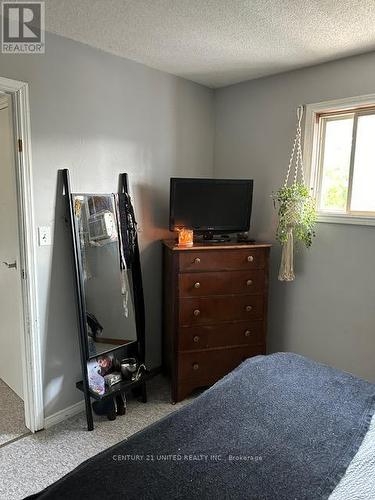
[[31, 345]]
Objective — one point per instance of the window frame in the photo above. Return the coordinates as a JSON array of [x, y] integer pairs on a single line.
[[313, 151]]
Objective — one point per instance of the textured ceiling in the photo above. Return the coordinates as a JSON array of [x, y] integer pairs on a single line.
[[219, 42]]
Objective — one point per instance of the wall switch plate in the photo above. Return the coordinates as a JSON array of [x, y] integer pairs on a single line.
[[44, 235]]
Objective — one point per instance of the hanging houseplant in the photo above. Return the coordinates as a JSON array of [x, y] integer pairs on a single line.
[[296, 209]]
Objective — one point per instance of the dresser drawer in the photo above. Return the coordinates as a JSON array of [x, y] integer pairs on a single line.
[[205, 368], [215, 309], [222, 260], [221, 283], [225, 334]]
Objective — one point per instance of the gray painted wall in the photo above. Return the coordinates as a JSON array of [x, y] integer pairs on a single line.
[[100, 115], [328, 312]]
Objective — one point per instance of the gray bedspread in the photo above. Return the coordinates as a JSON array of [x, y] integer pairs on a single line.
[[278, 427]]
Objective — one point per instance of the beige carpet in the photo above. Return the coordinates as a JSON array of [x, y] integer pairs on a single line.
[[12, 415], [37, 460]]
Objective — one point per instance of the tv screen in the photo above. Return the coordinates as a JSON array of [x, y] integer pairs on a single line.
[[215, 205]]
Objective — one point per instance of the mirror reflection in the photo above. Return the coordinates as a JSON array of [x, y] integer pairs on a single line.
[[108, 290]]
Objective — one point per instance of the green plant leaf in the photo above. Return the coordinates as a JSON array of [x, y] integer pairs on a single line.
[[296, 210]]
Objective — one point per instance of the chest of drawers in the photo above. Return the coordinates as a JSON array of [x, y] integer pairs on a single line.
[[214, 311]]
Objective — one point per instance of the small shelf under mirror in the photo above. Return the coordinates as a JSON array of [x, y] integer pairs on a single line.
[[123, 386]]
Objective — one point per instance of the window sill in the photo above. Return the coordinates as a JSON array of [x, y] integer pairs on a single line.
[[359, 220]]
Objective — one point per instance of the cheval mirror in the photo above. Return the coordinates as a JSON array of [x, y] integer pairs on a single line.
[[109, 294]]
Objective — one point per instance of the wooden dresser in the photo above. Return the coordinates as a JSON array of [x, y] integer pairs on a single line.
[[215, 310]]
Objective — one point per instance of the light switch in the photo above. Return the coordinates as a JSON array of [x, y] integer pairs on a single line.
[[44, 233]]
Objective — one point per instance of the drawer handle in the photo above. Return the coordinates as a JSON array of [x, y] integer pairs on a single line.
[[250, 258], [195, 366], [197, 260], [196, 312], [249, 308], [197, 285], [196, 338], [247, 333], [249, 282]]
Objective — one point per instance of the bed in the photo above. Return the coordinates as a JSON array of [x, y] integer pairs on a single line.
[[278, 427]]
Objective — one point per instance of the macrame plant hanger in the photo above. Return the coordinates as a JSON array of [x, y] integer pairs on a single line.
[[286, 271]]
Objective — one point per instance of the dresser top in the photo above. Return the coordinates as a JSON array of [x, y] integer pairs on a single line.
[[230, 245]]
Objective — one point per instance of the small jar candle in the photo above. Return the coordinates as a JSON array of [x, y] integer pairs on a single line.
[[185, 237]]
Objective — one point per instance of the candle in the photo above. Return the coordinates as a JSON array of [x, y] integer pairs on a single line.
[[185, 237]]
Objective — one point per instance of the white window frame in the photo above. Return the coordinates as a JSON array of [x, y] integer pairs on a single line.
[[311, 152]]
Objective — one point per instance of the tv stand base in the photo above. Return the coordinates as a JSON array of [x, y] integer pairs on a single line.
[[209, 237]]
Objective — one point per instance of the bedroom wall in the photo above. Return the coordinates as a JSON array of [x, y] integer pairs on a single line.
[[100, 115], [328, 312]]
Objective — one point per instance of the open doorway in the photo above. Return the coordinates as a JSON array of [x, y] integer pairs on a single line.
[[12, 413], [21, 402]]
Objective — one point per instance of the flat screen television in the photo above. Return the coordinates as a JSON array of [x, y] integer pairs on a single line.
[[211, 206]]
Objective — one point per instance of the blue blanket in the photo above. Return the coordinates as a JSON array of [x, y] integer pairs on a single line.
[[277, 427]]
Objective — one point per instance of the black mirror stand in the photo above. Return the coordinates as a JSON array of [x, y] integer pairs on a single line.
[[113, 401]]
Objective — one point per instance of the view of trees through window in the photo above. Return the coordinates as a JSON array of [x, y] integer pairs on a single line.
[[347, 162]]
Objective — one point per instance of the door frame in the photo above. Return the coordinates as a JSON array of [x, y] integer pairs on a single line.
[[30, 335]]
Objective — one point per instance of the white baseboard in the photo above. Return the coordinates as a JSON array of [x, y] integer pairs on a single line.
[[62, 415]]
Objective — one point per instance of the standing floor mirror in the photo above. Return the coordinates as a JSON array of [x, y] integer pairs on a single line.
[[109, 295]]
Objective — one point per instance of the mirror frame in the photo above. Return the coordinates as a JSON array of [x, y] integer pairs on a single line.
[[80, 277]]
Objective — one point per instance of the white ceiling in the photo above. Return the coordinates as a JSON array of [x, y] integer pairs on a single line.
[[219, 42]]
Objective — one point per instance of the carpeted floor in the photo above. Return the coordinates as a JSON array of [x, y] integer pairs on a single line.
[[12, 415], [37, 460]]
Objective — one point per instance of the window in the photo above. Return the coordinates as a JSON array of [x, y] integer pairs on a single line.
[[340, 150]]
